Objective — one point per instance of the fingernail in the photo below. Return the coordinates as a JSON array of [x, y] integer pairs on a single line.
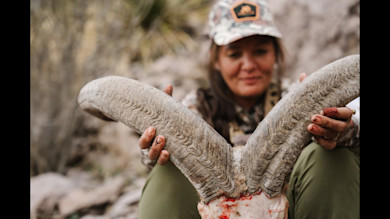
[[312, 127], [158, 140], [331, 112], [315, 118], [150, 130], [164, 155]]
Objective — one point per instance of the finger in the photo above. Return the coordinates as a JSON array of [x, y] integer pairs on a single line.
[[322, 132], [326, 143], [163, 158], [146, 138], [168, 90], [341, 113], [329, 123], [156, 148], [302, 77]]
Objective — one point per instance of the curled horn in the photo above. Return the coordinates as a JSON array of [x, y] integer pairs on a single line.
[[273, 148], [202, 155]]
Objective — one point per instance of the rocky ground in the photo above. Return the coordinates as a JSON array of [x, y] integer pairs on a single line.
[[79, 194], [315, 33]]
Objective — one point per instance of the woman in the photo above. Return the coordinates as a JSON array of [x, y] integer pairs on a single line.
[[245, 70]]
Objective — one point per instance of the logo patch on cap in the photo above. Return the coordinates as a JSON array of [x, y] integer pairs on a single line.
[[245, 11]]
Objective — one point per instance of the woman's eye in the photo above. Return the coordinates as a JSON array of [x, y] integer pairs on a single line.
[[234, 54], [261, 51]]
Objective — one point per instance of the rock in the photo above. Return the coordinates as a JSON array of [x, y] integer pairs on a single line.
[[46, 190], [127, 205], [316, 32], [82, 198], [184, 73], [122, 206]]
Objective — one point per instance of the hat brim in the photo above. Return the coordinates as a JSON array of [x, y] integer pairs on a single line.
[[223, 38]]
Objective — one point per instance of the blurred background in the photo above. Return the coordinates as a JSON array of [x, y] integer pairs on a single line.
[[83, 167]]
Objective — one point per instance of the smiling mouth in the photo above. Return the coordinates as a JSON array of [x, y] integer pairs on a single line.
[[251, 80]]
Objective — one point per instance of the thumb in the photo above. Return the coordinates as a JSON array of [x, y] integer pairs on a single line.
[[168, 90], [302, 77]]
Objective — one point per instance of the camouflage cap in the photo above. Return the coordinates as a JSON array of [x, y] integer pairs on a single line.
[[231, 20]]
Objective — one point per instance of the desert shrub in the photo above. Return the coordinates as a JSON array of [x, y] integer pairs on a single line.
[[73, 42]]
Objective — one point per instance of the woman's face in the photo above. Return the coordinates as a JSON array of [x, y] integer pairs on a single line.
[[246, 66]]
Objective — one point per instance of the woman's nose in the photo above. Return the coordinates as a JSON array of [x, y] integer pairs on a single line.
[[248, 63]]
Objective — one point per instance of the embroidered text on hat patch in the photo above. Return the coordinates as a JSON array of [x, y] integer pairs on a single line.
[[245, 11]]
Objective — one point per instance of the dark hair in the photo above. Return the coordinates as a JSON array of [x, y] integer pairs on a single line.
[[216, 101]]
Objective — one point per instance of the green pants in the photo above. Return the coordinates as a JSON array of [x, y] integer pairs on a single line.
[[323, 184]]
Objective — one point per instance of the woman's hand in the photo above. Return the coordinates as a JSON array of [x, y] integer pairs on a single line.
[[330, 124], [156, 147]]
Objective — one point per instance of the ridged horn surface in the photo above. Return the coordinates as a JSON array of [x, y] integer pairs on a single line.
[[203, 156], [273, 148]]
